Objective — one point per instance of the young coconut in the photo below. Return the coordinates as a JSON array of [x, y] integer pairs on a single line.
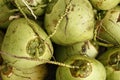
[[5, 13], [111, 61], [109, 29], [34, 73], [89, 69], [32, 7], [24, 43], [104, 4], [85, 48], [69, 22]]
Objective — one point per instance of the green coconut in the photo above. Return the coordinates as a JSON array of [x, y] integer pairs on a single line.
[[104, 4], [69, 22], [109, 29], [5, 13], [89, 69], [24, 43], [32, 7], [34, 73], [112, 74], [83, 48], [111, 60]]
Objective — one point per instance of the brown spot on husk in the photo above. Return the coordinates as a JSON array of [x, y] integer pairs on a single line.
[[7, 70], [55, 22], [118, 20]]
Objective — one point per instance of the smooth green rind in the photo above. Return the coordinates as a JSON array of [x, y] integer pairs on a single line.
[[110, 27], [104, 4], [64, 52], [98, 70], [83, 48], [111, 72], [35, 73], [104, 57], [75, 26], [17, 37]]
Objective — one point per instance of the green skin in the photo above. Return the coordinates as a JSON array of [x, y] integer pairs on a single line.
[[75, 26], [104, 57], [104, 4], [98, 71], [35, 73], [64, 52], [4, 14], [112, 73], [17, 37], [38, 6], [110, 27]]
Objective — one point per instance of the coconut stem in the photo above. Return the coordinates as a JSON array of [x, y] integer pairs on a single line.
[[98, 23], [13, 17], [98, 26], [62, 64], [14, 10], [103, 44], [20, 9], [29, 9], [41, 60]]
